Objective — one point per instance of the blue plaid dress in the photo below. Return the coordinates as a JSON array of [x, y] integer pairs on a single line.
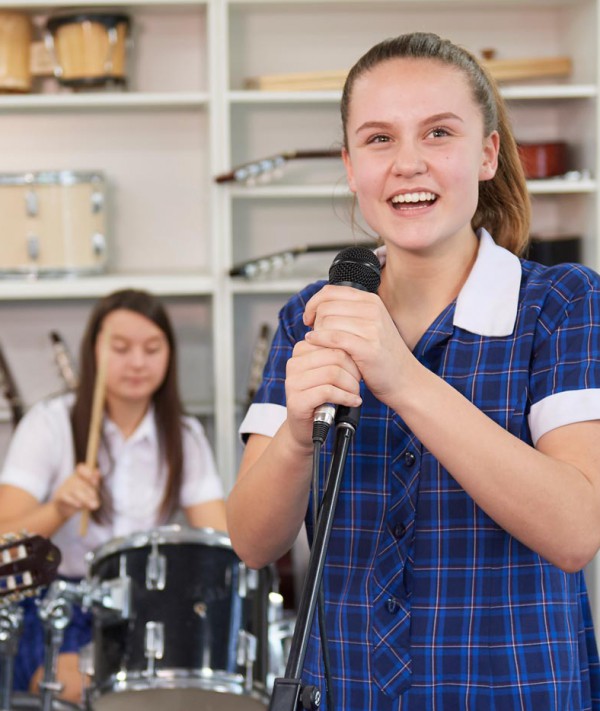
[[431, 606]]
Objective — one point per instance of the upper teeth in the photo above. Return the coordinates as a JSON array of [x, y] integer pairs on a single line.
[[413, 197]]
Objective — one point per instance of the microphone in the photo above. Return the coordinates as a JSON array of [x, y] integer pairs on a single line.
[[359, 268]]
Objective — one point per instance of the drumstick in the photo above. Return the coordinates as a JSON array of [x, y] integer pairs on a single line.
[[96, 418]]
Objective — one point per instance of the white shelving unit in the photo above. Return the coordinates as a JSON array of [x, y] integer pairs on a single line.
[[187, 117]]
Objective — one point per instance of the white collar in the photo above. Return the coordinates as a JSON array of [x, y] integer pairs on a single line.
[[145, 430], [487, 303]]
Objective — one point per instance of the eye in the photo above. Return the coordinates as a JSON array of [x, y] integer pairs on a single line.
[[378, 138], [439, 132]]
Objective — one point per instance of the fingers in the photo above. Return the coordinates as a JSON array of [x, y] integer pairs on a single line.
[[317, 375], [339, 301], [80, 491]]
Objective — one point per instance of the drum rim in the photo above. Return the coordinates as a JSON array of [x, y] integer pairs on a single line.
[[108, 19], [175, 678], [161, 535], [52, 177], [57, 704]]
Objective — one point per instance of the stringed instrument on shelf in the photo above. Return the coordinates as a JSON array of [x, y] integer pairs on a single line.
[[27, 563], [272, 166], [8, 388], [64, 361], [271, 264]]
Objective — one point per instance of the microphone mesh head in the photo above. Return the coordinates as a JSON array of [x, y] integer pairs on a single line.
[[357, 267]]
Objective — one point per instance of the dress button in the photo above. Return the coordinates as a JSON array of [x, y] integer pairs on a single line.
[[409, 459], [399, 530], [392, 605]]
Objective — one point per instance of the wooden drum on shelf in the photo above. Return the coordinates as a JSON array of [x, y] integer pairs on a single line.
[[89, 48], [15, 43], [52, 223]]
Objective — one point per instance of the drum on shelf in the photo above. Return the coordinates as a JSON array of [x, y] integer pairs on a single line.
[[52, 223], [15, 42], [90, 48], [190, 630]]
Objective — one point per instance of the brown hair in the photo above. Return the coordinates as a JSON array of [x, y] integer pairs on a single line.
[[503, 208], [167, 403]]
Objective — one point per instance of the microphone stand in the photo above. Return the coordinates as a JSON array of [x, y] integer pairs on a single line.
[[288, 692]]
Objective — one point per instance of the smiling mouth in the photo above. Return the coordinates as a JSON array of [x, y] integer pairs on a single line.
[[417, 198]]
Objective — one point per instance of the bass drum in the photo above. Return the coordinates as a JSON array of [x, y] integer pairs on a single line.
[[191, 630], [53, 223]]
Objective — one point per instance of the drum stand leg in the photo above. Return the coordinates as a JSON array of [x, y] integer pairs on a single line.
[[11, 626], [55, 614]]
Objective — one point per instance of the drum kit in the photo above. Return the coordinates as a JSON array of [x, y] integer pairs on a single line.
[[179, 622]]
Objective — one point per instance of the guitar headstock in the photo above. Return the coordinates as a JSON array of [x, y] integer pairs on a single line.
[[271, 167], [26, 564]]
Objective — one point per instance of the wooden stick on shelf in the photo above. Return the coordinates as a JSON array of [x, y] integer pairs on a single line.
[[96, 418]]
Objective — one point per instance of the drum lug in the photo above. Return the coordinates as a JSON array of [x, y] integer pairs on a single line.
[[112, 594], [98, 244], [97, 201], [31, 203], [156, 569], [154, 644], [33, 247], [246, 656], [248, 580]]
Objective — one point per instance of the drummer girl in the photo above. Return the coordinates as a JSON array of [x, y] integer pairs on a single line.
[[153, 461]]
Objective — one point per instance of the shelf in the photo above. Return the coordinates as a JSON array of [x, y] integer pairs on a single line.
[[423, 4], [104, 100], [536, 187], [557, 186], [525, 92], [289, 191], [91, 287], [273, 286], [52, 4]]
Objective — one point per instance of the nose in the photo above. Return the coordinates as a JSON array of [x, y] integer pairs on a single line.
[[137, 357], [408, 160]]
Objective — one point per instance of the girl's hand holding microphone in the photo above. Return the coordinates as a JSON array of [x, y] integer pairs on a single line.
[[358, 323], [315, 375]]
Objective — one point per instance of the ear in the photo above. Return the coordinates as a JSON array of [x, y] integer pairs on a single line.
[[349, 171], [489, 162]]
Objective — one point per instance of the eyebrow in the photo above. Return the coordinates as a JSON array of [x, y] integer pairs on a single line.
[[436, 118], [126, 339]]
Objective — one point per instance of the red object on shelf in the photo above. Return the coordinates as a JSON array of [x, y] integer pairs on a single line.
[[543, 160]]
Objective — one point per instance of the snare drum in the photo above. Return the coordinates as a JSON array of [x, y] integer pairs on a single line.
[[15, 42], [89, 47], [53, 223], [191, 630]]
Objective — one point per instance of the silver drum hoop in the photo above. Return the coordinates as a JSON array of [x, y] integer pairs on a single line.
[[173, 534], [52, 177]]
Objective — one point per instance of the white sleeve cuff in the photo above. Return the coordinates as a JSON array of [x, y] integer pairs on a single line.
[[563, 408], [263, 418]]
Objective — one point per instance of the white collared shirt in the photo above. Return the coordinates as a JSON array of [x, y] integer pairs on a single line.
[[40, 457]]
